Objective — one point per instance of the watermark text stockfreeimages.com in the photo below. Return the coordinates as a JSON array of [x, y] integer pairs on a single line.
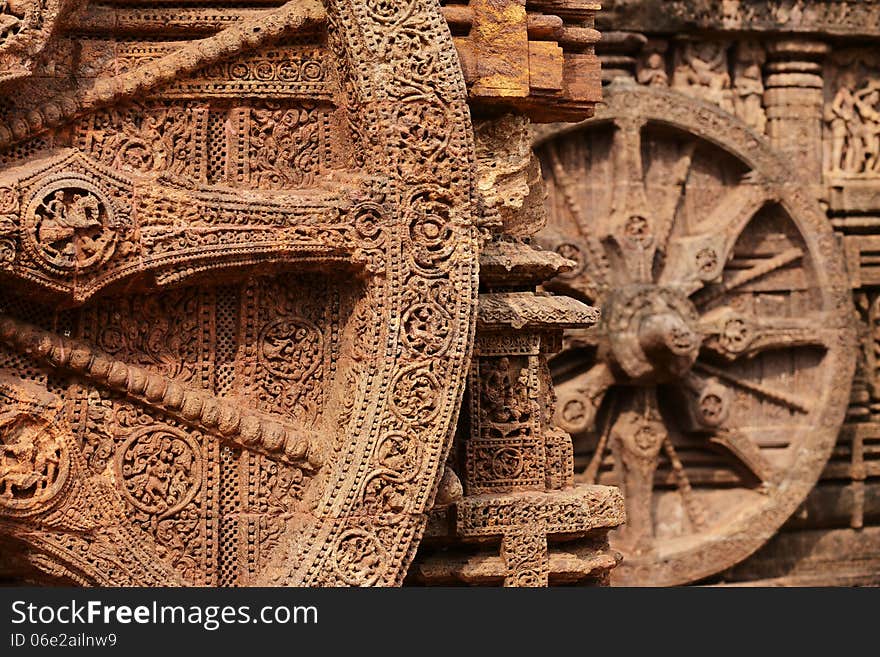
[[210, 617]]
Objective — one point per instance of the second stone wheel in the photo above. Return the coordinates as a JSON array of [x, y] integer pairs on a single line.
[[714, 388]]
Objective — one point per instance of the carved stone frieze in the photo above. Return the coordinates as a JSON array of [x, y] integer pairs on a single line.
[[852, 115], [853, 18]]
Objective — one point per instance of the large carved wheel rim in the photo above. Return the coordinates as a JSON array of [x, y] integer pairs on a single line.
[[715, 386], [407, 226], [420, 247]]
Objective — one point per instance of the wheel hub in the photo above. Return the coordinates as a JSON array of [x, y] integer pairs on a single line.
[[652, 332]]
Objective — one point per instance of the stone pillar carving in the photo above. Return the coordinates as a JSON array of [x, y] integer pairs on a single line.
[[521, 520], [794, 103], [537, 58]]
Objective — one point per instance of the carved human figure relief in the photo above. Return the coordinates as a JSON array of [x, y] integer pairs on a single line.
[[701, 69], [651, 67], [748, 85], [32, 461], [852, 116]]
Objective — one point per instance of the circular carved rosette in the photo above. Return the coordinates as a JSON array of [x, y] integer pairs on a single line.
[[69, 225], [368, 219], [715, 387], [431, 233], [506, 463], [8, 200], [400, 454], [358, 558], [290, 348], [34, 463], [427, 328], [415, 395], [160, 469]]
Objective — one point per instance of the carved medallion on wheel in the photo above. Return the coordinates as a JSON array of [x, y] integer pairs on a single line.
[[714, 388], [34, 462], [70, 225]]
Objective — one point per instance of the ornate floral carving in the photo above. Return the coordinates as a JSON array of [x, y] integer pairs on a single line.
[[145, 138], [285, 146], [427, 328], [8, 200], [25, 28], [271, 325], [430, 228], [415, 394], [291, 348], [358, 558], [400, 454]]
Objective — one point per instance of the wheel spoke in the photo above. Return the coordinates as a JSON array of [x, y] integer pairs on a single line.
[[595, 260], [752, 273], [733, 335], [787, 399], [626, 157], [734, 212], [591, 474], [695, 510], [632, 224], [747, 452], [671, 188], [637, 437], [579, 398], [697, 259], [712, 410]]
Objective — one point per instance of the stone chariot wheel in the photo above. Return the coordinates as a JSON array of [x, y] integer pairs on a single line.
[[714, 388], [268, 364]]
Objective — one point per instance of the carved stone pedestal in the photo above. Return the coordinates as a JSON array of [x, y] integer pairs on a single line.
[[549, 537], [522, 521]]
